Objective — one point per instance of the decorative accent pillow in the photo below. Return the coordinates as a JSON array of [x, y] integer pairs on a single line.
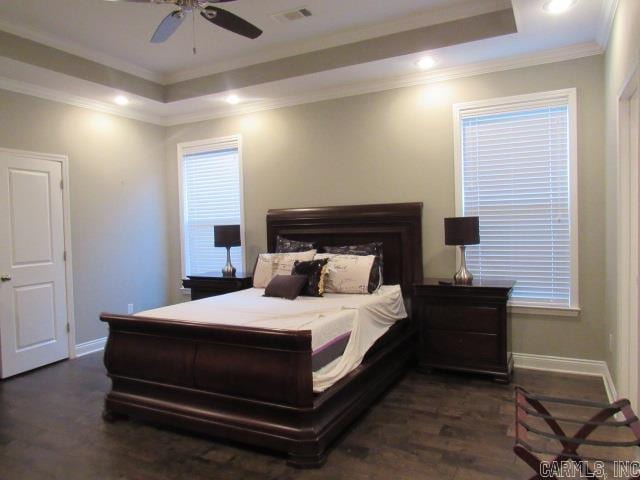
[[316, 271], [348, 273], [286, 286], [268, 265], [373, 248], [285, 245]]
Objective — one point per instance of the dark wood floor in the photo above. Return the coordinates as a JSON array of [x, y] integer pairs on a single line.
[[427, 427]]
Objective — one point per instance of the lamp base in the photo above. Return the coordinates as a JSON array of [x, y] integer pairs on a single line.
[[229, 270], [463, 276]]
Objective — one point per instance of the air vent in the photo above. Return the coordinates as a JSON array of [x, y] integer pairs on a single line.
[[292, 15]]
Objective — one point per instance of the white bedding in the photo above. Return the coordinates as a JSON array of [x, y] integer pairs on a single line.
[[367, 317]]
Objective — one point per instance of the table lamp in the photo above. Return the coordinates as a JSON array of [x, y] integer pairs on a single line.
[[462, 231], [227, 236]]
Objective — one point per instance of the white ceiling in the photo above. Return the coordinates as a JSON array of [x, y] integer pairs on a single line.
[[121, 38]]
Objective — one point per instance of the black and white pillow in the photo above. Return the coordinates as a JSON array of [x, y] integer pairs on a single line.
[[373, 248], [268, 265], [286, 245], [348, 273]]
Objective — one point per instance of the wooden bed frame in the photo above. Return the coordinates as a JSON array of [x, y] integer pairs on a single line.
[[252, 385]]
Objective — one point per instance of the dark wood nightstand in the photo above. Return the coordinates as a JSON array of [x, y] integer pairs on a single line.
[[210, 284], [465, 327]]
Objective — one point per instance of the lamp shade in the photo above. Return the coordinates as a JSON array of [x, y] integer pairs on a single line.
[[226, 235], [462, 231]]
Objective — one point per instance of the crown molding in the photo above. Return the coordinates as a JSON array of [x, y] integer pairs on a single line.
[[75, 100], [607, 17], [480, 68], [76, 49]]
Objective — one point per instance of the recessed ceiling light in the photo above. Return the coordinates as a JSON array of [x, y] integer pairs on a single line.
[[556, 7], [426, 62], [121, 100], [233, 99]]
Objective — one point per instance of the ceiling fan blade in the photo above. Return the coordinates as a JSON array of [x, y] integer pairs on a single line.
[[168, 26], [230, 21]]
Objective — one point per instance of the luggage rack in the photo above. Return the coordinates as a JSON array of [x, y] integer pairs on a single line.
[[529, 405]]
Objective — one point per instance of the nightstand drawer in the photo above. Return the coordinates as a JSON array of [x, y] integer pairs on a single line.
[[463, 318], [460, 348], [225, 285]]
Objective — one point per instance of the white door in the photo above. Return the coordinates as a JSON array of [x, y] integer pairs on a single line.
[[33, 313]]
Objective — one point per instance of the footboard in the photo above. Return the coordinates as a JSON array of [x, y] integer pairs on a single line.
[[242, 384], [251, 363], [246, 385]]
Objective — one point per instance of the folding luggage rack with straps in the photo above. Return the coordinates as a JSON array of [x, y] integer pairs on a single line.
[[531, 406]]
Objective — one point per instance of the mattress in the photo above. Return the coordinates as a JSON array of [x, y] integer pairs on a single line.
[[343, 326]]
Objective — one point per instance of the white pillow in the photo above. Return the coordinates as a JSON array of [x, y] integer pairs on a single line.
[[269, 265], [347, 273]]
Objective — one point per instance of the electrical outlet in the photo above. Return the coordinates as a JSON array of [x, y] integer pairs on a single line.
[[130, 308], [611, 342]]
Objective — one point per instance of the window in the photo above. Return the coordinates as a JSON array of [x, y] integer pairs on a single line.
[[516, 170], [210, 194]]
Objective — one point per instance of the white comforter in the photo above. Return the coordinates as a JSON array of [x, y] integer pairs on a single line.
[[367, 317]]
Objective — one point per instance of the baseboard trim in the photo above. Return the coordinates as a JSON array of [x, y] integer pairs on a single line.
[[91, 346], [610, 386], [577, 366], [550, 363]]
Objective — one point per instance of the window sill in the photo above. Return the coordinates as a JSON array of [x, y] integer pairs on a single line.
[[545, 311]]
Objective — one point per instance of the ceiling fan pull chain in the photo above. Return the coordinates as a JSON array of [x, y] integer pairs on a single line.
[[193, 16]]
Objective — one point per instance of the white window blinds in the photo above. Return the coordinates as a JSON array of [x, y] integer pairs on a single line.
[[210, 174], [516, 177]]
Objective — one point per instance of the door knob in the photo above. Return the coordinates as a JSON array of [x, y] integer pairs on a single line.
[[5, 278]]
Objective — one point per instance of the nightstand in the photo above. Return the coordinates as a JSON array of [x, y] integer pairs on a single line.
[[210, 284], [464, 327]]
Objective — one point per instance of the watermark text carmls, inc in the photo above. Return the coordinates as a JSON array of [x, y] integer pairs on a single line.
[[583, 469]]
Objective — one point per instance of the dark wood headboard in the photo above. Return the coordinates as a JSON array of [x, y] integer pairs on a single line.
[[397, 225]]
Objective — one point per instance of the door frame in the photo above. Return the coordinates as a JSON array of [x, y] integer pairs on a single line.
[[66, 219], [628, 309]]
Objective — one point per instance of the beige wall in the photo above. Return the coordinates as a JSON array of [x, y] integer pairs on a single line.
[[392, 146], [117, 190], [623, 54], [397, 146]]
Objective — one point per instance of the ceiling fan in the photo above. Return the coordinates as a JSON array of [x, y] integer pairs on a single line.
[[217, 16]]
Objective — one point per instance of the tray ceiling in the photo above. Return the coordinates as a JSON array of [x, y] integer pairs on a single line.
[[88, 51], [122, 30]]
